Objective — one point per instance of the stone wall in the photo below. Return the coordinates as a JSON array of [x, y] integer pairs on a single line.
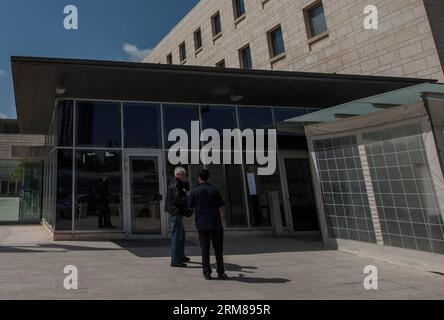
[[9, 140], [402, 46]]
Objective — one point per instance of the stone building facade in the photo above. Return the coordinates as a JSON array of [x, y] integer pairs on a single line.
[[408, 41], [12, 146]]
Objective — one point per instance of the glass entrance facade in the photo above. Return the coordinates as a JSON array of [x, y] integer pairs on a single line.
[[89, 141]]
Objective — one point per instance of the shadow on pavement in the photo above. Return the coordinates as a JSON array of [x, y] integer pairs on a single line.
[[161, 247], [232, 267], [232, 246], [244, 279], [52, 247]]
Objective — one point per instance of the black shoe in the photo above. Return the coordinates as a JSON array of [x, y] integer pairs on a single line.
[[178, 265], [208, 276], [186, 259], [222, 276]]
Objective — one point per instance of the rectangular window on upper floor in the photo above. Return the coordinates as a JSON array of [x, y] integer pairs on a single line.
[[182, 52], [238, 8], [221, 64], [169, 58], [245, 58], [216, 24], [315, 21], [276, 42], [198, 39]]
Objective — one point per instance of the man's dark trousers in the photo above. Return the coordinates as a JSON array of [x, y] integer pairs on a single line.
[[215, 236]]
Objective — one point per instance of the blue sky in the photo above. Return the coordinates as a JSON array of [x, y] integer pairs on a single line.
[[108, 30]]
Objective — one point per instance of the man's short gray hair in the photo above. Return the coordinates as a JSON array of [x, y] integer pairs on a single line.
[[180, 170]]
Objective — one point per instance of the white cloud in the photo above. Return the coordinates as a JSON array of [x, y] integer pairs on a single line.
[[134, 53], [3, 116], [3, 73]]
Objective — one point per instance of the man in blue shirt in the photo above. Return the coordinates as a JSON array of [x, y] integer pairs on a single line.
[[209, 215]]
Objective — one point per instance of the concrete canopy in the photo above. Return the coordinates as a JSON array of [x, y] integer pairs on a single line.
[[36, 81]]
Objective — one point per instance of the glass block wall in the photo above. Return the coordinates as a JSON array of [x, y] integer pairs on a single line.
[[344, 193], [404, 191], [397, 171]]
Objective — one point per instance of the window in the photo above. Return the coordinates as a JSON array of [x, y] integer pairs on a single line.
[[239, 8], [169, 58], [142, 125], [283, 114], [65, 124], [178, 116], [98, 191], [276, 42], [245, 58], [228, 178], [64, 190], [315, 19], [218, 118], [198, 39], [216, 24], [289, 140], [221, 64], [98, 124], [182, 52]]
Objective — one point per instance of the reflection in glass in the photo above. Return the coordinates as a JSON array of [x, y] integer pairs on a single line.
[[142, 125], [65, 123], [289, 140], [300, 191], [178, 117], [255, 118], [228, 180], [98, 124], [31, 192], [218, 118], [9, 190], [145, 200], [49, 190], [257, 191], [282, 114], [64, 190], [98, 190]]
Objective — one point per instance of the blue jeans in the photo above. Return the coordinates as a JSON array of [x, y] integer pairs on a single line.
[[177, 239]]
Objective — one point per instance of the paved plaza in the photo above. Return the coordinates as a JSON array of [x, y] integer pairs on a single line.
[[31, 267]]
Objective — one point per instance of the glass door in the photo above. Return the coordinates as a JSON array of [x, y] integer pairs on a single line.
[[144, 195], [299, 200]]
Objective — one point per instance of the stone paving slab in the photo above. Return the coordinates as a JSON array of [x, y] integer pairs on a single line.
[[31, 267]]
